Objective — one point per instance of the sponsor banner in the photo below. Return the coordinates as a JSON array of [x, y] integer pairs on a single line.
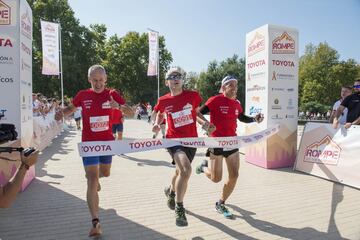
[[270, 94], [8, 13], [25, 66], [255, 88], [330, 153], [256, 75], [283, 44], [101, 148], [6, 60], [50, 48], [282, 76], [153, 53], [257, 44]]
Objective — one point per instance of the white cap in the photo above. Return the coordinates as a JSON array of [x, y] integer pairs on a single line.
[[226, 80]]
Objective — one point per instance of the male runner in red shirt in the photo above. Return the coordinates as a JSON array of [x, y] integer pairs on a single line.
[[97, 103], [117, 122], [181, 108], [224, 110]]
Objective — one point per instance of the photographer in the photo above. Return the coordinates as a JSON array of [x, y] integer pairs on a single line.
[[9, 191]]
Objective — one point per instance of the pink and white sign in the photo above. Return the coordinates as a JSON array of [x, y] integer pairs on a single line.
[[16, 77], [153, 53], [50, 48], [330, 153], [272, 89]]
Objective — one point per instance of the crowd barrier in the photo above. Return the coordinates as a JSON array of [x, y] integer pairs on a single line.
[[330, 153]]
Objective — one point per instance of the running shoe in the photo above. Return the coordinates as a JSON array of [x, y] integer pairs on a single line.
[[95, 231], [170, 198], [220, 208], [200, 168], [181, 220]]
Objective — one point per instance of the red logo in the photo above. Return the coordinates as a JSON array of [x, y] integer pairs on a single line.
[[326, 151], [256, 45], [283, 63], [256, 64], [26, 28], [283, 44], [5, 14], [5, 42], [49, 28]]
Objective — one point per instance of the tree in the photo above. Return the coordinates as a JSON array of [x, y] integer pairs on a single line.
[[127, 61], [80, 47], [209, 82], [321, 74]]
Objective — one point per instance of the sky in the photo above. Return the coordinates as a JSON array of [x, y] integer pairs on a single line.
[[199, 31]]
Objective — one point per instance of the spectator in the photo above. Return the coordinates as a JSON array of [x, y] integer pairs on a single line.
[[345, 91]]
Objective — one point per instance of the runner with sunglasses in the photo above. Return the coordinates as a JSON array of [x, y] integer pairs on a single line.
[[352, 103], [182, 109], [224, 110]]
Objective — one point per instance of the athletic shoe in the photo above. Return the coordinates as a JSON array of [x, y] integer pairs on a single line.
[[220, 208], [200, 168], [181, 220], [170, 198], [95, 231]]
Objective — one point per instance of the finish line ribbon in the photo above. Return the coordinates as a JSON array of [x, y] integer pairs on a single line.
[[103, 148]]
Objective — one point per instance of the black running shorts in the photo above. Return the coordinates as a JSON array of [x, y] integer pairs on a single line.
[[190, 152]]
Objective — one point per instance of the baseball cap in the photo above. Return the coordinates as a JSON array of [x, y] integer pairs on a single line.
[[175, 73], [226, 80]]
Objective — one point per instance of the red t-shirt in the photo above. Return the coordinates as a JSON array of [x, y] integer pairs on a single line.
[[96, 113], [156, 110], [116, 116], [180, 113], [223, 114]]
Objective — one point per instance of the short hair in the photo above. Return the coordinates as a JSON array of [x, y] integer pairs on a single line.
[[96, 68], [357, 80], [347, 87]]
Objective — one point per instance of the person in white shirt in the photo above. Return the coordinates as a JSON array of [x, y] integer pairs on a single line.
[[77, 117], [345, 91]]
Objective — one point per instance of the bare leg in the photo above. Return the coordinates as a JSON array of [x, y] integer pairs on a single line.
[[233, 164], [92, 175], [173, 180], [184, 170], [214, 170]]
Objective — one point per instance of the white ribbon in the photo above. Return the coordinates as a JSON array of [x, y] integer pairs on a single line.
[[103, 148]]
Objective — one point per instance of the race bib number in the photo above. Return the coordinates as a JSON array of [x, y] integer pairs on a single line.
[[182, 118], [99, 124]]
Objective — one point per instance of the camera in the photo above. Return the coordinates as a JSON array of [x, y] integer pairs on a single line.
[[7, 132]]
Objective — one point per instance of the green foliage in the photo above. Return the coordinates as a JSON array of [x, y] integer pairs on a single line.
[[127, 61], [209, 82], [321, 75], [125, 58], [315, 107]]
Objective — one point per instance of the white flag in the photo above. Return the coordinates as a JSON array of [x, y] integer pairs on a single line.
[[50, 48], [153, 53]]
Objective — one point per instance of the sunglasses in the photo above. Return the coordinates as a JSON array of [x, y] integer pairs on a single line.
[[356, 86], [174, 77]]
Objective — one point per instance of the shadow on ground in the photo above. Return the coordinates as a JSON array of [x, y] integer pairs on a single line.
[[31, 211]]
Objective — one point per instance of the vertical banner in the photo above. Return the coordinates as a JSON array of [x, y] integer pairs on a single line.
[[153, 53], [50, 48], [16, 79], [272, 89]]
